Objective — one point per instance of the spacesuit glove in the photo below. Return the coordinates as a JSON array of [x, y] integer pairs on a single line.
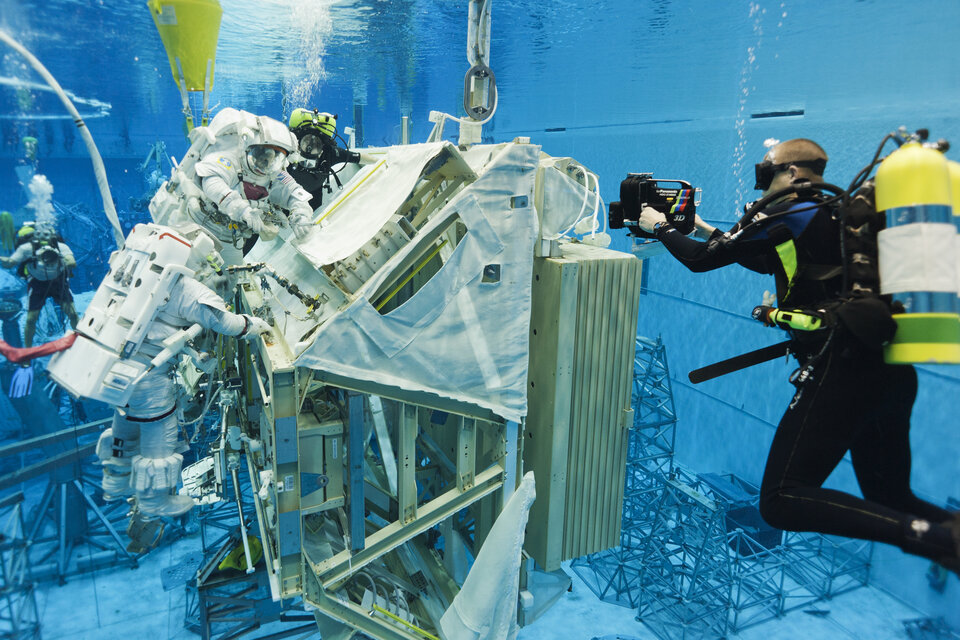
[[252, 219], [233, 206], [300, 223], [255, 326]]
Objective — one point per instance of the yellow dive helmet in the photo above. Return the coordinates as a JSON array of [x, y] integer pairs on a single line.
[[313, 129], [325, 123]]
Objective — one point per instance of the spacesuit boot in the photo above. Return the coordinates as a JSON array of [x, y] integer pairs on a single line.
[[115, 448]]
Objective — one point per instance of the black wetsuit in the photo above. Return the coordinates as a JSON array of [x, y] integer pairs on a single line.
[[315, 179], [853, 401]]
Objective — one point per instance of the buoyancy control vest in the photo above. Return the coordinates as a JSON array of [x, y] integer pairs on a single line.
[[829, 272]]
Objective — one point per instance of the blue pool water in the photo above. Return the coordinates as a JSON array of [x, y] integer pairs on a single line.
[[682, 89]]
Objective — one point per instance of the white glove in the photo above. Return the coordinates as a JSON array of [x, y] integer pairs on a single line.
[[300, 222], [649, 218], [234, 206], [255, 326], [252, 219]]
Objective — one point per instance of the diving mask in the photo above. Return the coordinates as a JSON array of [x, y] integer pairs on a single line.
[[766, 171]]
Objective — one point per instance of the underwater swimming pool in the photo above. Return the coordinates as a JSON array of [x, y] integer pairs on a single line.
[[686, 90]]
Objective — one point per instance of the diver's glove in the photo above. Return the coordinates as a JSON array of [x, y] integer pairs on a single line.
[[255, 326], [21, 384]]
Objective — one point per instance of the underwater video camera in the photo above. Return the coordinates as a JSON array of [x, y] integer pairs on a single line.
[[673, 198]]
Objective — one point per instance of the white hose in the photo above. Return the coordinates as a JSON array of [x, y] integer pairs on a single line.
[[98, 169], [595, 214]]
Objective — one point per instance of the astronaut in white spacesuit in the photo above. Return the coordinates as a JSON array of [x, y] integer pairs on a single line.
[[233, 183], [147, 308], [141, 451]]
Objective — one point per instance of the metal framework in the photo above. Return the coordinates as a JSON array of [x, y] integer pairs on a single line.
[[695, 558], [18, 616], [227, 604], [614, 575], [68, 515]]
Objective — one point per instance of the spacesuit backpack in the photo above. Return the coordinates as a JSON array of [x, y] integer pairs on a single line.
[[169, 205], [102, 363]]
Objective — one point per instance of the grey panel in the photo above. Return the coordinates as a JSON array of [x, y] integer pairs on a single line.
[[288, 532], [286, 439]]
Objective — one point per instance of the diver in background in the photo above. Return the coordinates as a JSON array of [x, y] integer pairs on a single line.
[[847, 398], [316, 142], [46, 262]]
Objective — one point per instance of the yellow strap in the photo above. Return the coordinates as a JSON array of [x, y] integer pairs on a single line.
[[412, 273], [412, 627], [349, 193]]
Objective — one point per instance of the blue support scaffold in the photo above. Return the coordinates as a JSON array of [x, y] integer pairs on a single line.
[[695, 558]]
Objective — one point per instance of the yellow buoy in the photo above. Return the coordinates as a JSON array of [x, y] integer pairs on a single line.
[[189, 30]]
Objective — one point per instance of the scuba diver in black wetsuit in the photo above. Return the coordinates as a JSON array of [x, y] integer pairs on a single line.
[[847, 397], [316, 140]]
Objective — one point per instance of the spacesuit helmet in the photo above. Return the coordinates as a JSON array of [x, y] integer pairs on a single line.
[[265, 159], [267, 152]]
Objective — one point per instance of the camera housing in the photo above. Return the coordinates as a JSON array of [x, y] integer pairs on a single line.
[[675, 199]]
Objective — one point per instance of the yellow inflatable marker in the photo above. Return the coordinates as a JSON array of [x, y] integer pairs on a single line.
[[189, 30]]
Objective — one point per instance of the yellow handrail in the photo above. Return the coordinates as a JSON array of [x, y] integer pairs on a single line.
[[412, 273], [355, 187], [415, 628]]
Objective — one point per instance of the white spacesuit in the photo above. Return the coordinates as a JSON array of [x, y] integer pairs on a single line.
[[232, 182], [136, 323]]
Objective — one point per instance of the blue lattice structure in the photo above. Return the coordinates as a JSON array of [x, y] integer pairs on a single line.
[[695, 558]]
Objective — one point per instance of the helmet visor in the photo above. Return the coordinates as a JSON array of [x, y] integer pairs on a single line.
[[311, 145], [265, 159]]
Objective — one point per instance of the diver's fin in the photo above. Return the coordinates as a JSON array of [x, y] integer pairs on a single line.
[[736, 363]]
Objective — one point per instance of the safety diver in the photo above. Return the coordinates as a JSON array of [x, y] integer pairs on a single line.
[[316, 134], [141, 452], [847, 397], [45, 261], [233, 182]]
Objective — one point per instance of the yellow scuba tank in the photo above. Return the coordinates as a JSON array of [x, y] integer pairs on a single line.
[[189, 30], [954, 169], [917, 259]]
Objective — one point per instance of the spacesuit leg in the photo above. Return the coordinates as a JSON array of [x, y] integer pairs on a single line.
[[155, 471], [116, 448]]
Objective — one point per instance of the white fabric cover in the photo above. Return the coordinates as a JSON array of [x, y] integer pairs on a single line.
[[918, 257], [457, 337], [486, 606], [367, 202]]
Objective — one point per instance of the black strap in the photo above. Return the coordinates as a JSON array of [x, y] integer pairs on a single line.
[[737, 363], [153, 419]]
